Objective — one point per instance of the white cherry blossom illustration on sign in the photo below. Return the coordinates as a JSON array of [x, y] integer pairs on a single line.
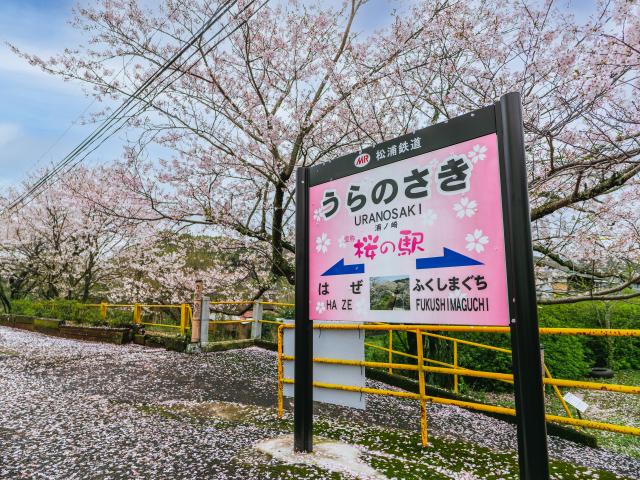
[[478, 153], [341, 242], [465, 208], [322, 243], [317, 215], [320, 307], [429, 217], [476, 241]]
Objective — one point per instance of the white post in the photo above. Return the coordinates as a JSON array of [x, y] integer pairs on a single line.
[[204, 321], [256, 326]]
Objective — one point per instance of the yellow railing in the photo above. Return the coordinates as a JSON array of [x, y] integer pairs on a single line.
[[248, 320], [186, 313], [423, 364], [455, 365], [251, 302], [454, 369]]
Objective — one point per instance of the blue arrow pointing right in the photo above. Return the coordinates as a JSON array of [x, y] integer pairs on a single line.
[[449, 259]]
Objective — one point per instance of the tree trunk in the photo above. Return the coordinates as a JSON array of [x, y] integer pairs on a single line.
[[88, 276], [412, 342], [4, 300], [279, 267]]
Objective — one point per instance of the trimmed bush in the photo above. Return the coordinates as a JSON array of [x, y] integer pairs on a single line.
[[618, 353], [71, 311], [566, 356]]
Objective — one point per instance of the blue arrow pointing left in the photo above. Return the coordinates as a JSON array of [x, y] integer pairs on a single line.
[[339, 268]]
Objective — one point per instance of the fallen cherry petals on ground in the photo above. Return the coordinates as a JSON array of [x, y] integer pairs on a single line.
[[76, 410]]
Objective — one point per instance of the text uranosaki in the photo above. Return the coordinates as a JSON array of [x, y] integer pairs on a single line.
[[394, 213]]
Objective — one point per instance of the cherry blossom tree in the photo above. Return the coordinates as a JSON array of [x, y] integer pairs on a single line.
[[60, 245], [295, 84], [163, 267], [241, 118], [580, 88], [63, 244]]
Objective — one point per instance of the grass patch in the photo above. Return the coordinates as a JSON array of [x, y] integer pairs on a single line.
[[609, 407], [395, 453]]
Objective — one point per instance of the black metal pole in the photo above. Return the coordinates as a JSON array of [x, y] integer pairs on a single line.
[[525, 339], [303, 376]]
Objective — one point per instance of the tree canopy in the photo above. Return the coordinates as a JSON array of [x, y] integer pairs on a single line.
[[298, 84]]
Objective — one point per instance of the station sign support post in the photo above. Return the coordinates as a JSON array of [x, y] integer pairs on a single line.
[[303, 376], [533, 457], [477, 163]]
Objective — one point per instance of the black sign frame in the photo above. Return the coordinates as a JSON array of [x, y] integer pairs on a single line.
[[505, 119]]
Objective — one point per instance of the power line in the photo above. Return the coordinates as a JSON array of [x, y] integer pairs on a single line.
[[37, 188], [108, 122], [182, 73], [86, 109]]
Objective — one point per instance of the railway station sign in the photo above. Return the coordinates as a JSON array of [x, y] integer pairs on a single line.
[[432, 227], [411, 235]]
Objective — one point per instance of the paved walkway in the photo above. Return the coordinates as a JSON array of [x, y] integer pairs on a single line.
[[72, 409]]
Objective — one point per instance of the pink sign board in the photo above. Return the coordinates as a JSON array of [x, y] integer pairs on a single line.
[[420, 240]]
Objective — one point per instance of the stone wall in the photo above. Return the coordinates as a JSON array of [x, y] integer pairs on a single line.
[[55, 327]]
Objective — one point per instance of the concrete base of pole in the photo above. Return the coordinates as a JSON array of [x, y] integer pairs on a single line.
[[193, 348], [330, 455], [204, 322]]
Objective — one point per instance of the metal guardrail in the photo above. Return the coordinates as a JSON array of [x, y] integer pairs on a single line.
[[422, 363], [257, 321], [251, 302], [186, 313], [454, 365], [421, 367]]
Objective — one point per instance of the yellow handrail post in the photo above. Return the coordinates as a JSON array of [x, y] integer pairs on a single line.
[[137, 314], [183, 319], [390, 349], [558, 394], [280, 373], [455, 365], [103, 311], [423, 400]]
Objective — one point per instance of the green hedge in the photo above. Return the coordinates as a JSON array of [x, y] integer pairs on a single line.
[[566, 356], [71, 311], [618, 353]]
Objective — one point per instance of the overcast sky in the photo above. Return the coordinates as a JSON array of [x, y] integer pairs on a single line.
[[38, 111]]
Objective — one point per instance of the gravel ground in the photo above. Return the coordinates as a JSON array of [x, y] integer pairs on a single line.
[[72, 409]]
